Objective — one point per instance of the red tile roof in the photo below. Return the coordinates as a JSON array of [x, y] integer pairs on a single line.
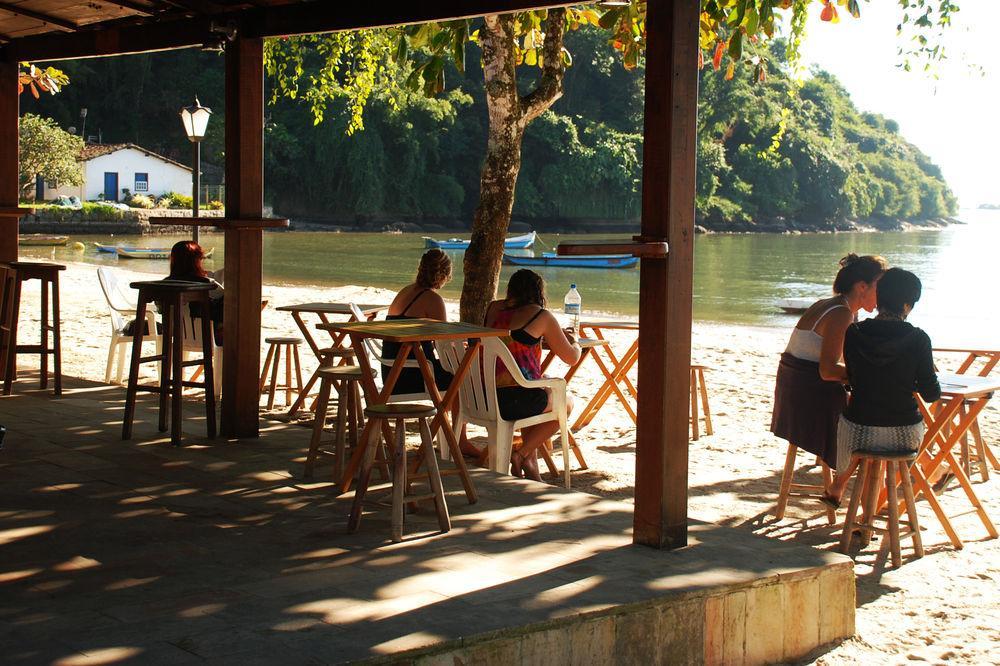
[[92, 150]]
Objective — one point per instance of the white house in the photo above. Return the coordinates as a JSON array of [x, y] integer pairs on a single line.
[[108, 168]]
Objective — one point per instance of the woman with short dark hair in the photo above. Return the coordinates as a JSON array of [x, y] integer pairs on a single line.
[[186, 258], [523, 313]]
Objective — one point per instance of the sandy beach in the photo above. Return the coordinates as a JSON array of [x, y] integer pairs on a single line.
[[944, 607]]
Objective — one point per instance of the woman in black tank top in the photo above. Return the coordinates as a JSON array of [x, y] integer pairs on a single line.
[[420, 300]]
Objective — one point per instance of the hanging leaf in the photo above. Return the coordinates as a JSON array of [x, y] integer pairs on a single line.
[[736, 46], [720, 50], [530, 57], [730, 70]]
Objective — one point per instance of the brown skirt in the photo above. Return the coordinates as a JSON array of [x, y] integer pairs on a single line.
[[807, 408]]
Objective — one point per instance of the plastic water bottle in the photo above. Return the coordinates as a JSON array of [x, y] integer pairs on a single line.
[[571, 307]]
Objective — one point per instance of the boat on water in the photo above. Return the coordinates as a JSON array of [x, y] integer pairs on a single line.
[[551, 259], [41, 240], [795, 305], [150, 252], [522, 242], [107, 249]]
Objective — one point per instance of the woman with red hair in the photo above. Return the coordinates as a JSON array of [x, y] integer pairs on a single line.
[[186, 258]]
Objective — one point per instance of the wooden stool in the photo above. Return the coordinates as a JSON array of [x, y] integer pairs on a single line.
[[19, 272], [346, 379], [789, 488], [171, 296], [400, 412], [291, 346], [867, 488], [698, 387]]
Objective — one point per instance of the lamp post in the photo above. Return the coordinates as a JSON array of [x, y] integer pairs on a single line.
[[195, 119], [83, 123]]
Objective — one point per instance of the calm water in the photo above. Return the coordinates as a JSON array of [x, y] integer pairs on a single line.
[[737, 278]]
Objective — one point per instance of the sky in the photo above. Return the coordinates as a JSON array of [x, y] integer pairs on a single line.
[[952, 118]]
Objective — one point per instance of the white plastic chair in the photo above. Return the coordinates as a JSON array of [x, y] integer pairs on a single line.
[[478, 400], [121, 307], [191, 336]]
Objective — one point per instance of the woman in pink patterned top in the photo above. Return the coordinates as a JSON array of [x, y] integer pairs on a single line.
[[523, 313]]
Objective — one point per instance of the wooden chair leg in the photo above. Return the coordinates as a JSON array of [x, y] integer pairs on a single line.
[[693, 382], [298, 371], [434, 477], [831, 513], [267, 366], [364, 478], [317, 432], [852, 507], [704, 401], [398, 480], [288, 375], [911, 510], [871, 499], [344, 409], [273, 388], [786, 482], [893, 510]]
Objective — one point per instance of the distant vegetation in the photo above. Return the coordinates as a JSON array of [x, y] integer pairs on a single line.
[[772, 155]]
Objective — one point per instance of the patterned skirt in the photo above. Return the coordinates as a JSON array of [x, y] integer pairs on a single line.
[[853, 437]]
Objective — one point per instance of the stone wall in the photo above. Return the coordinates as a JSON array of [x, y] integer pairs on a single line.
[[134, 221]]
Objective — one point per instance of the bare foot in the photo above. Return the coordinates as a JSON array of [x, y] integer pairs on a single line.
[[530, 466], [516, 465]]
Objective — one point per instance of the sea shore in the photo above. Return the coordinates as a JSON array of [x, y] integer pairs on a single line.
[[943, 607]]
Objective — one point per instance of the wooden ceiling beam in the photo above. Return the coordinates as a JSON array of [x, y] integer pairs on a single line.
[[138, 35], [55, 21], [154, 35], [305, 18], [143, 10]]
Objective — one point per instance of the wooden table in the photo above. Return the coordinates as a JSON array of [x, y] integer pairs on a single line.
[[945, 426], [980, 362], [322, 311], [587, 346], [615, 370], [410, 334]]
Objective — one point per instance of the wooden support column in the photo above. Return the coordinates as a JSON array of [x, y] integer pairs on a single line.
[[665, 285], [9, 179], [244, 246]]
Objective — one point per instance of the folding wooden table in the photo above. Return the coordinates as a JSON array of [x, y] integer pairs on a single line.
[[322, 311], [979, 362], [410, 334], [945, 427], [615, 370], [587, 345]]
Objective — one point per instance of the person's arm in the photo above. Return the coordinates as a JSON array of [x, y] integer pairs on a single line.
[[564, 346], [834, 327], [927, 382]]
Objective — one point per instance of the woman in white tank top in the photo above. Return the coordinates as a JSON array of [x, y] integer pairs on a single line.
[[809, 394]]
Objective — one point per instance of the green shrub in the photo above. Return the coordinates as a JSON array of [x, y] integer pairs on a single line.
[[215, 205], [175, 200], [141, 201]]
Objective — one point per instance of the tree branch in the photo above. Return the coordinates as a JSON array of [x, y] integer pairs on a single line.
[[550, 86]]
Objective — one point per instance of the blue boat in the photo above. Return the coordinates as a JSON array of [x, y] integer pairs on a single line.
[[522, 242], [107, 249], [551, 259]]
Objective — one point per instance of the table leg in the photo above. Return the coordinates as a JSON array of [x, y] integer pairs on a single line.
[[311, 341], [178, 378], [444, 404], [963, 480], [373, 397], [921, 485], [43, 343], [610, 386]]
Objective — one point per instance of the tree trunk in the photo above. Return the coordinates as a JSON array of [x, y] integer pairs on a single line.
[[500, 169], [509, 114]]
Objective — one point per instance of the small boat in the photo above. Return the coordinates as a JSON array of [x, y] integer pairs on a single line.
[[107, 249], [151, 252], [579, 261], [41, 240], [795, 305], [522, 242]]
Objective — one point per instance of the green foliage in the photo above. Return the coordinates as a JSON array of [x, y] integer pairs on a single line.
[[215, 205], [48, 151], [89, 211]]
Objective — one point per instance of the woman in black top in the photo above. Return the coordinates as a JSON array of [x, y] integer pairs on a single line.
[[420, 300], [186, 258], [887, 361]]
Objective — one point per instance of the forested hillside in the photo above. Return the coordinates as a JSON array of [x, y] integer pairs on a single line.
[[772, 155]]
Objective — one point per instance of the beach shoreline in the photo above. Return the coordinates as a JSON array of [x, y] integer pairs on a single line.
[[941, 606]]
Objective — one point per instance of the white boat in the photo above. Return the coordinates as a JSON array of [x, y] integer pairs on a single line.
[[795, 305]]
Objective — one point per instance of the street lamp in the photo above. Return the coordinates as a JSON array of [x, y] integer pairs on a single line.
[[83, 123], [195, 120]]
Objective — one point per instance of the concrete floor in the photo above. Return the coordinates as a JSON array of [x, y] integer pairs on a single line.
[[137, 552]]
